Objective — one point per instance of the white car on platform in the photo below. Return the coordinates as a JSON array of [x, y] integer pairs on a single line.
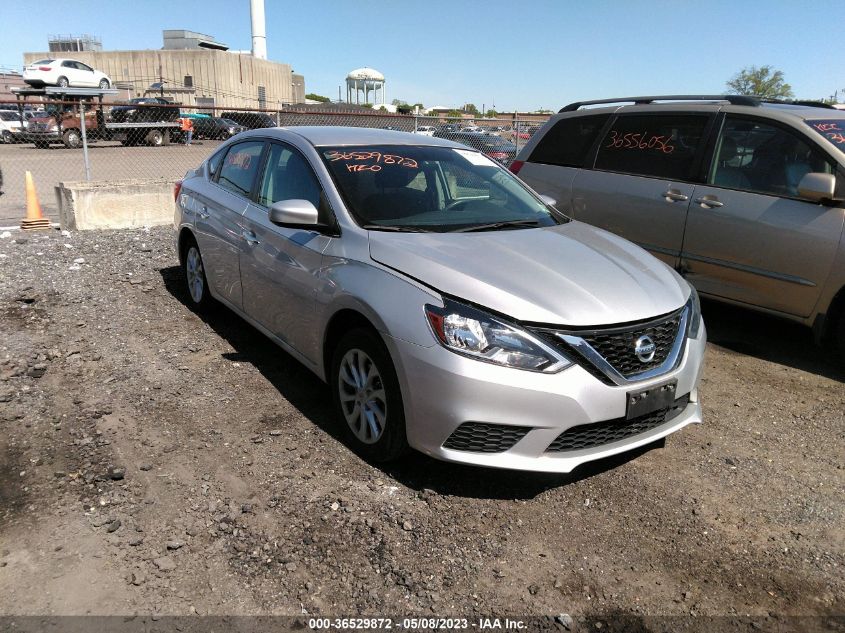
[[64, 73]]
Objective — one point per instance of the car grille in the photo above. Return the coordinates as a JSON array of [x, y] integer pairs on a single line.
[[485, 438], [601, 433], [616, 345]]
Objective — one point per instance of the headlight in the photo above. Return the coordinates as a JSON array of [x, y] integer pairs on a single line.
[[476, 334], [695, 313]]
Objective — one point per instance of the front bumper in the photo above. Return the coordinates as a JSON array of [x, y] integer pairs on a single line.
[[41, 137], [442, 390]]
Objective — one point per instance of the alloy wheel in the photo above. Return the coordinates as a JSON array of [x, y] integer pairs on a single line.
[[362, 396], [194, 274]]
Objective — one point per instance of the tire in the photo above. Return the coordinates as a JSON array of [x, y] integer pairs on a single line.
[[839, 338], [104, 84], [193, 274], [63, 82], [379, 436], [72, 139], [6, 137], [155, 138]]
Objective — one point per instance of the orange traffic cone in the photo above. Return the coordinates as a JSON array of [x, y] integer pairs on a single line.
[[34, 217]]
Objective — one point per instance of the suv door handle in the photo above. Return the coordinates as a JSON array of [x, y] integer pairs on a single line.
[[709, 202], [673, 195], [250, 237]]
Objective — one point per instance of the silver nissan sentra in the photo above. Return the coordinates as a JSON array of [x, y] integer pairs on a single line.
[[449, 307]]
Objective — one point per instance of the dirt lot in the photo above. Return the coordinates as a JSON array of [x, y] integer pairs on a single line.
[[153, 462]]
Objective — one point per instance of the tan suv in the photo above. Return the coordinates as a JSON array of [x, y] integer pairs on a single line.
[[743, 197]]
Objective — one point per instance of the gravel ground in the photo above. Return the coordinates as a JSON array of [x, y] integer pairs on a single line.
[[156, 462]]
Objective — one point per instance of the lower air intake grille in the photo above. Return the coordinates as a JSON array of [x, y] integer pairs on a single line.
[[601, 433], [485, 438]]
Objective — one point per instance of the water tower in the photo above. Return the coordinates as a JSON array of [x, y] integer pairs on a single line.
[[366, 80]]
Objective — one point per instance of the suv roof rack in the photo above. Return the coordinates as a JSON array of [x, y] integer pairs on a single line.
[[801, 102], [732, 99]]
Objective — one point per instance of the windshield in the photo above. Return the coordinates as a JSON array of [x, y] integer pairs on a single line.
[[230, 122], [832, 129], [420, 188]]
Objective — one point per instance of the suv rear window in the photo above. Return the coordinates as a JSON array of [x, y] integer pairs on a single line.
[[569, 141], [661, 146]]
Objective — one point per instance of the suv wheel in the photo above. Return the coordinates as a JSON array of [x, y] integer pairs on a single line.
[[367, 397]]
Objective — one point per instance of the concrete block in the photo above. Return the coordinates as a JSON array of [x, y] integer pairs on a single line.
[[115, 204]]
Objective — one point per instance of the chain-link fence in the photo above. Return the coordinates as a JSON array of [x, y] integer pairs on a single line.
[[65, 141]]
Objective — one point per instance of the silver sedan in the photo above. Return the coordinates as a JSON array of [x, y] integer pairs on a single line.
[[450, 308]]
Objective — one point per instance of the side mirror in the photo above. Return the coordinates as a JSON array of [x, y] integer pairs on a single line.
[[548, 200], [817, 186], [294, 213]]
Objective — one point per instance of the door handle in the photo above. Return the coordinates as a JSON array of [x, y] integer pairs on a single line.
[[710, 203], [675, 196], [203, 212], [250, 238]]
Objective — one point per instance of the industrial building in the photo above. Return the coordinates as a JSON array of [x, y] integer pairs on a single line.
[[191, 68]]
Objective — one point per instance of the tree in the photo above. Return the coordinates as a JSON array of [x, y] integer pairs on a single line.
[[491, 114], [398, 102], [470, 108], [454, 114], [316, 97], [764, 81]]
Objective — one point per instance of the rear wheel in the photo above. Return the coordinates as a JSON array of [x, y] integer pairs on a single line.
[[367, 396], [72, 139], [155, 138], [193, 272], [62, 82]]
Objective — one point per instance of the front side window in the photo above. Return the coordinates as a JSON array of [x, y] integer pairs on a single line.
[[419, 188], [288, 176], [240, 166], [755, 156], [568, 141], [82, 66], [659, 146], [832, 129]]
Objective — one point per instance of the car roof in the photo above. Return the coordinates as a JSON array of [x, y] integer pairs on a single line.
[[321, 136]]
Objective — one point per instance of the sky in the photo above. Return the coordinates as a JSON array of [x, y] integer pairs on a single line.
[[518, 55]]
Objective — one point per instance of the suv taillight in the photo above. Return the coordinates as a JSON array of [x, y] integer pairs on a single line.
[[516, 165], [176, 189]]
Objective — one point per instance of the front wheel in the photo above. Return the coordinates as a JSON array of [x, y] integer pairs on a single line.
[[193, 272], [367, 397], [6, 137], [104, 84]]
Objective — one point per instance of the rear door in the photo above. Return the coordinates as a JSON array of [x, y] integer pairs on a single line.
[[279, 265], [219, 218], [750, 236], [643, 179], [565, 148]]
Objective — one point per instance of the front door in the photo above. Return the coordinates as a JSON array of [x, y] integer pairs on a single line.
[[642, 180], [279, 265], [750, 236]]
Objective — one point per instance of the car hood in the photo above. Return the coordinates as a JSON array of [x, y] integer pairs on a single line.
[[571, 274]]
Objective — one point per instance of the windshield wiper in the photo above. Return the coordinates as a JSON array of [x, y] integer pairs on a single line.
[[492, 226], [395, 228]]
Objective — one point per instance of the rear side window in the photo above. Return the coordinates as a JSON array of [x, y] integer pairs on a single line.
[[237, 174], [660, 146], [569, 141]]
